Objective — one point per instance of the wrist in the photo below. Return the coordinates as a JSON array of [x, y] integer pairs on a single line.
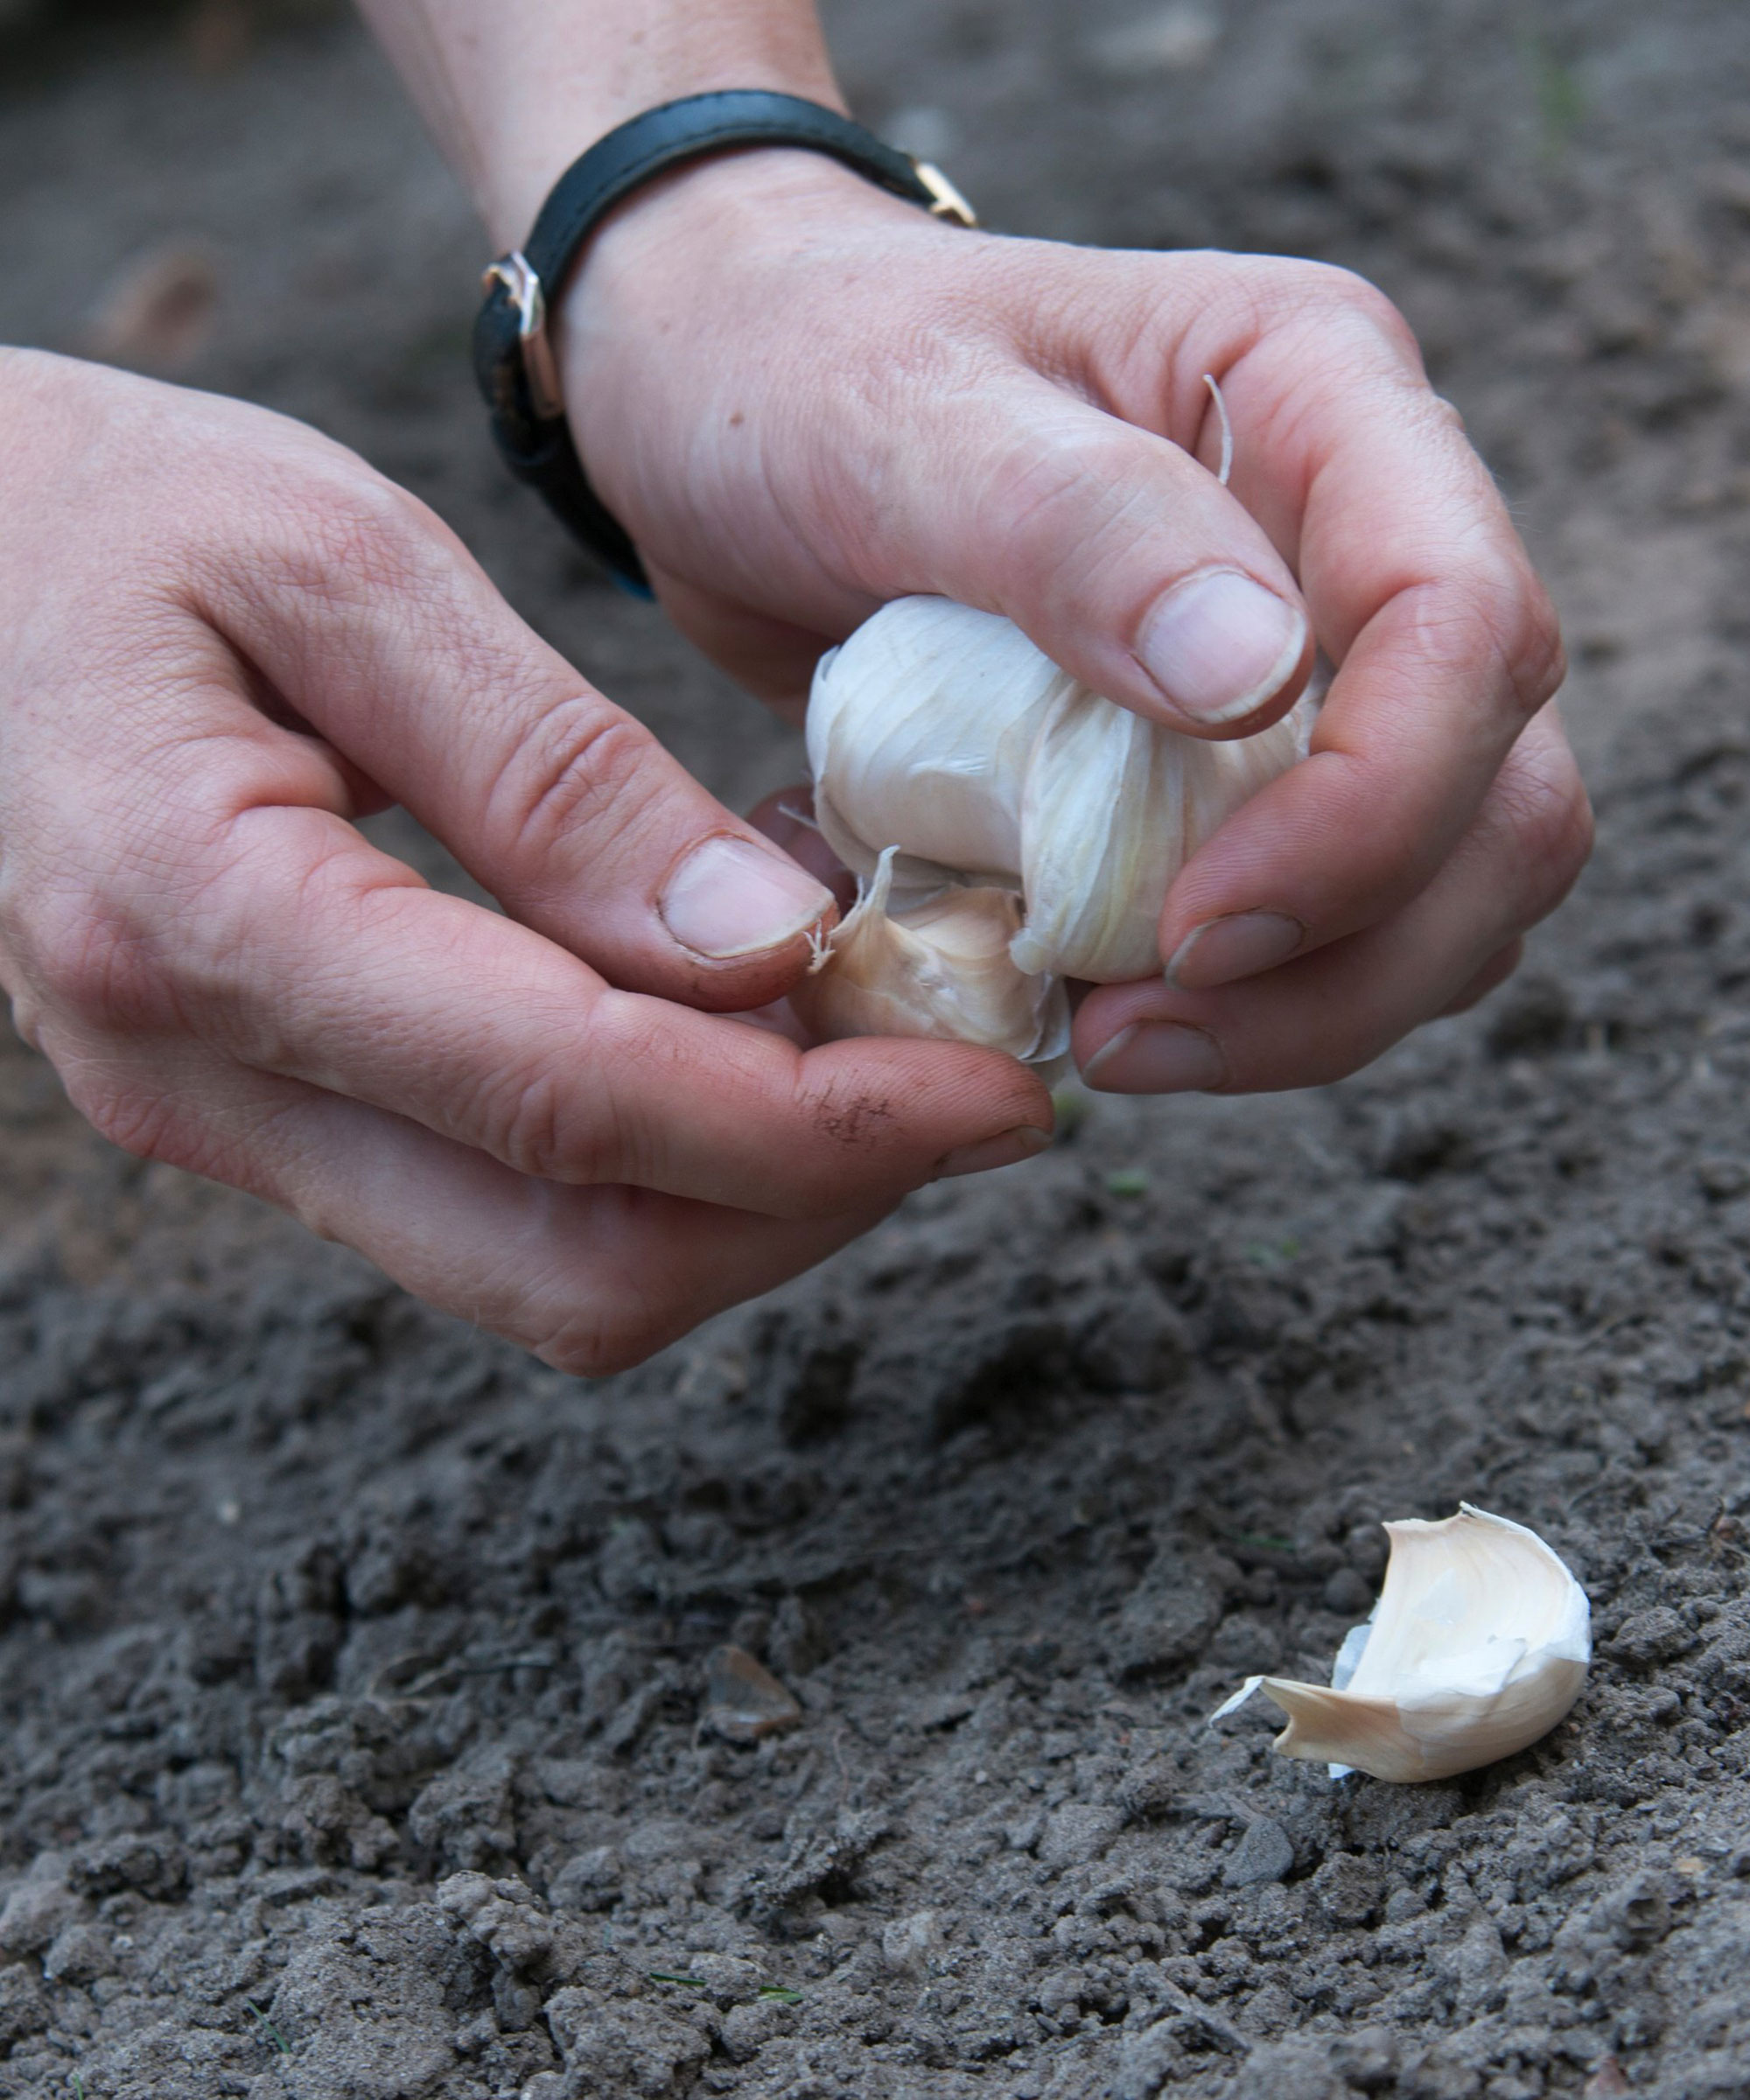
[[727, 210], [522, 159], [723, 220], [720, 259]]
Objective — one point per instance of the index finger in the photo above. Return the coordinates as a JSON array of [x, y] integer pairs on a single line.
[[316, 957], [1444, 641]]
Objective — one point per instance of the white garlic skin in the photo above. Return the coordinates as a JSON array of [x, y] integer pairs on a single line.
[[944, 731], [943, 972], [1478, 1646]]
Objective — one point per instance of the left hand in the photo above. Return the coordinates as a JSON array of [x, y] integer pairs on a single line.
[[804, 398]]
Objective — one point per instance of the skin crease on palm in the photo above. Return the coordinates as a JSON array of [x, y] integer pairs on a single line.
[[803, 398]]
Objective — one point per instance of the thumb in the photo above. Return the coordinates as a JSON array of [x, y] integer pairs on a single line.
[[1126, 561], [406, 660]]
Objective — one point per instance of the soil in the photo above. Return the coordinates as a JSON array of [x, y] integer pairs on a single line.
[[360, 1737]]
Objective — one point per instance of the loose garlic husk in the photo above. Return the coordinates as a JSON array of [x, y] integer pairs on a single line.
[[946, 747], [1478, 1646]]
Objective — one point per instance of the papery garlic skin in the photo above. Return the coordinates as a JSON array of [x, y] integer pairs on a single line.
[[1479, 1645], [920, 728], [944, 731], [943, 972]]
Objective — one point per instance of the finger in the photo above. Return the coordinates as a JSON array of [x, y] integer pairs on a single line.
[[1494, 973], [1420, 591], [370, 620], [1317, 1018], [1118, 552], [311, 955], [592, 1280], [946, 451], [773, 659]]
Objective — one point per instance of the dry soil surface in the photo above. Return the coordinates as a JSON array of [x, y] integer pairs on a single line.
[[355, 1737]]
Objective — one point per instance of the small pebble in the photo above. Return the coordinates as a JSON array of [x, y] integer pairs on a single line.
[[1266, 1853], [743, 1701]]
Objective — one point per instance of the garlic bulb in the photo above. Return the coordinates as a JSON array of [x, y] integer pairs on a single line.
[[944, 734], [1478, 1646], [943, 971]]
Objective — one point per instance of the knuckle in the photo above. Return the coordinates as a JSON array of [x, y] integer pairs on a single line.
[[582, 765], [1337, 302], [1510, 607], [1536, 660], [354, 535], [1550, 825], [1492, 620], [137, 1120], [1056, 500], [88, 963], [602, 1340], [1493, 974], [539, 1124], [27, 1017]]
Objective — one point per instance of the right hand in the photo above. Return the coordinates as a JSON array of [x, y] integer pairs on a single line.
[[803, 398], [222, 638]]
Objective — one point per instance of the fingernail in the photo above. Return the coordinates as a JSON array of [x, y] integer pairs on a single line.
[[1219, 645], [1009, 1148], [1239, 946], [728, 898], [1156, 1057]]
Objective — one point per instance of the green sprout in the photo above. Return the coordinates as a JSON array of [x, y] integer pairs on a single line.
[[266, 2029], [1557, 87], [1072, 1108]]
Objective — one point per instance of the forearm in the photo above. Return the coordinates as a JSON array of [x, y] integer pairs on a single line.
[[516, 89]]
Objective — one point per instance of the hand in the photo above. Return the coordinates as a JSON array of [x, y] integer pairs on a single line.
[[804, 398], [223, 638]]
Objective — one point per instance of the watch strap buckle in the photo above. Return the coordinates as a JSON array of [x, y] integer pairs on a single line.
[[946, 202], [528, 298]]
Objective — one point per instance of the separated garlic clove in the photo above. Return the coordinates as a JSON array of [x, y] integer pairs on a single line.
[[939, 968], [1478, 1646]]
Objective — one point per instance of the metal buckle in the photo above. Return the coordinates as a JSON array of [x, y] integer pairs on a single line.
[[945, 202], [517, 274]]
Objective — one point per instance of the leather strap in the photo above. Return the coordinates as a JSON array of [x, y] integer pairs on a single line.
[[512, 356]]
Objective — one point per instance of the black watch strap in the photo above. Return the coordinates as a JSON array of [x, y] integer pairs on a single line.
[[513, 355]]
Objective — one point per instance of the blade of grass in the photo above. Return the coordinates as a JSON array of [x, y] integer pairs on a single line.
[[267, 2030]]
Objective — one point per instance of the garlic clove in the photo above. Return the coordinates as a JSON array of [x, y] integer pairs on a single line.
[[939, 969], [1101, 831], [1114, 808], [920, 728], [1478, 1646]]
